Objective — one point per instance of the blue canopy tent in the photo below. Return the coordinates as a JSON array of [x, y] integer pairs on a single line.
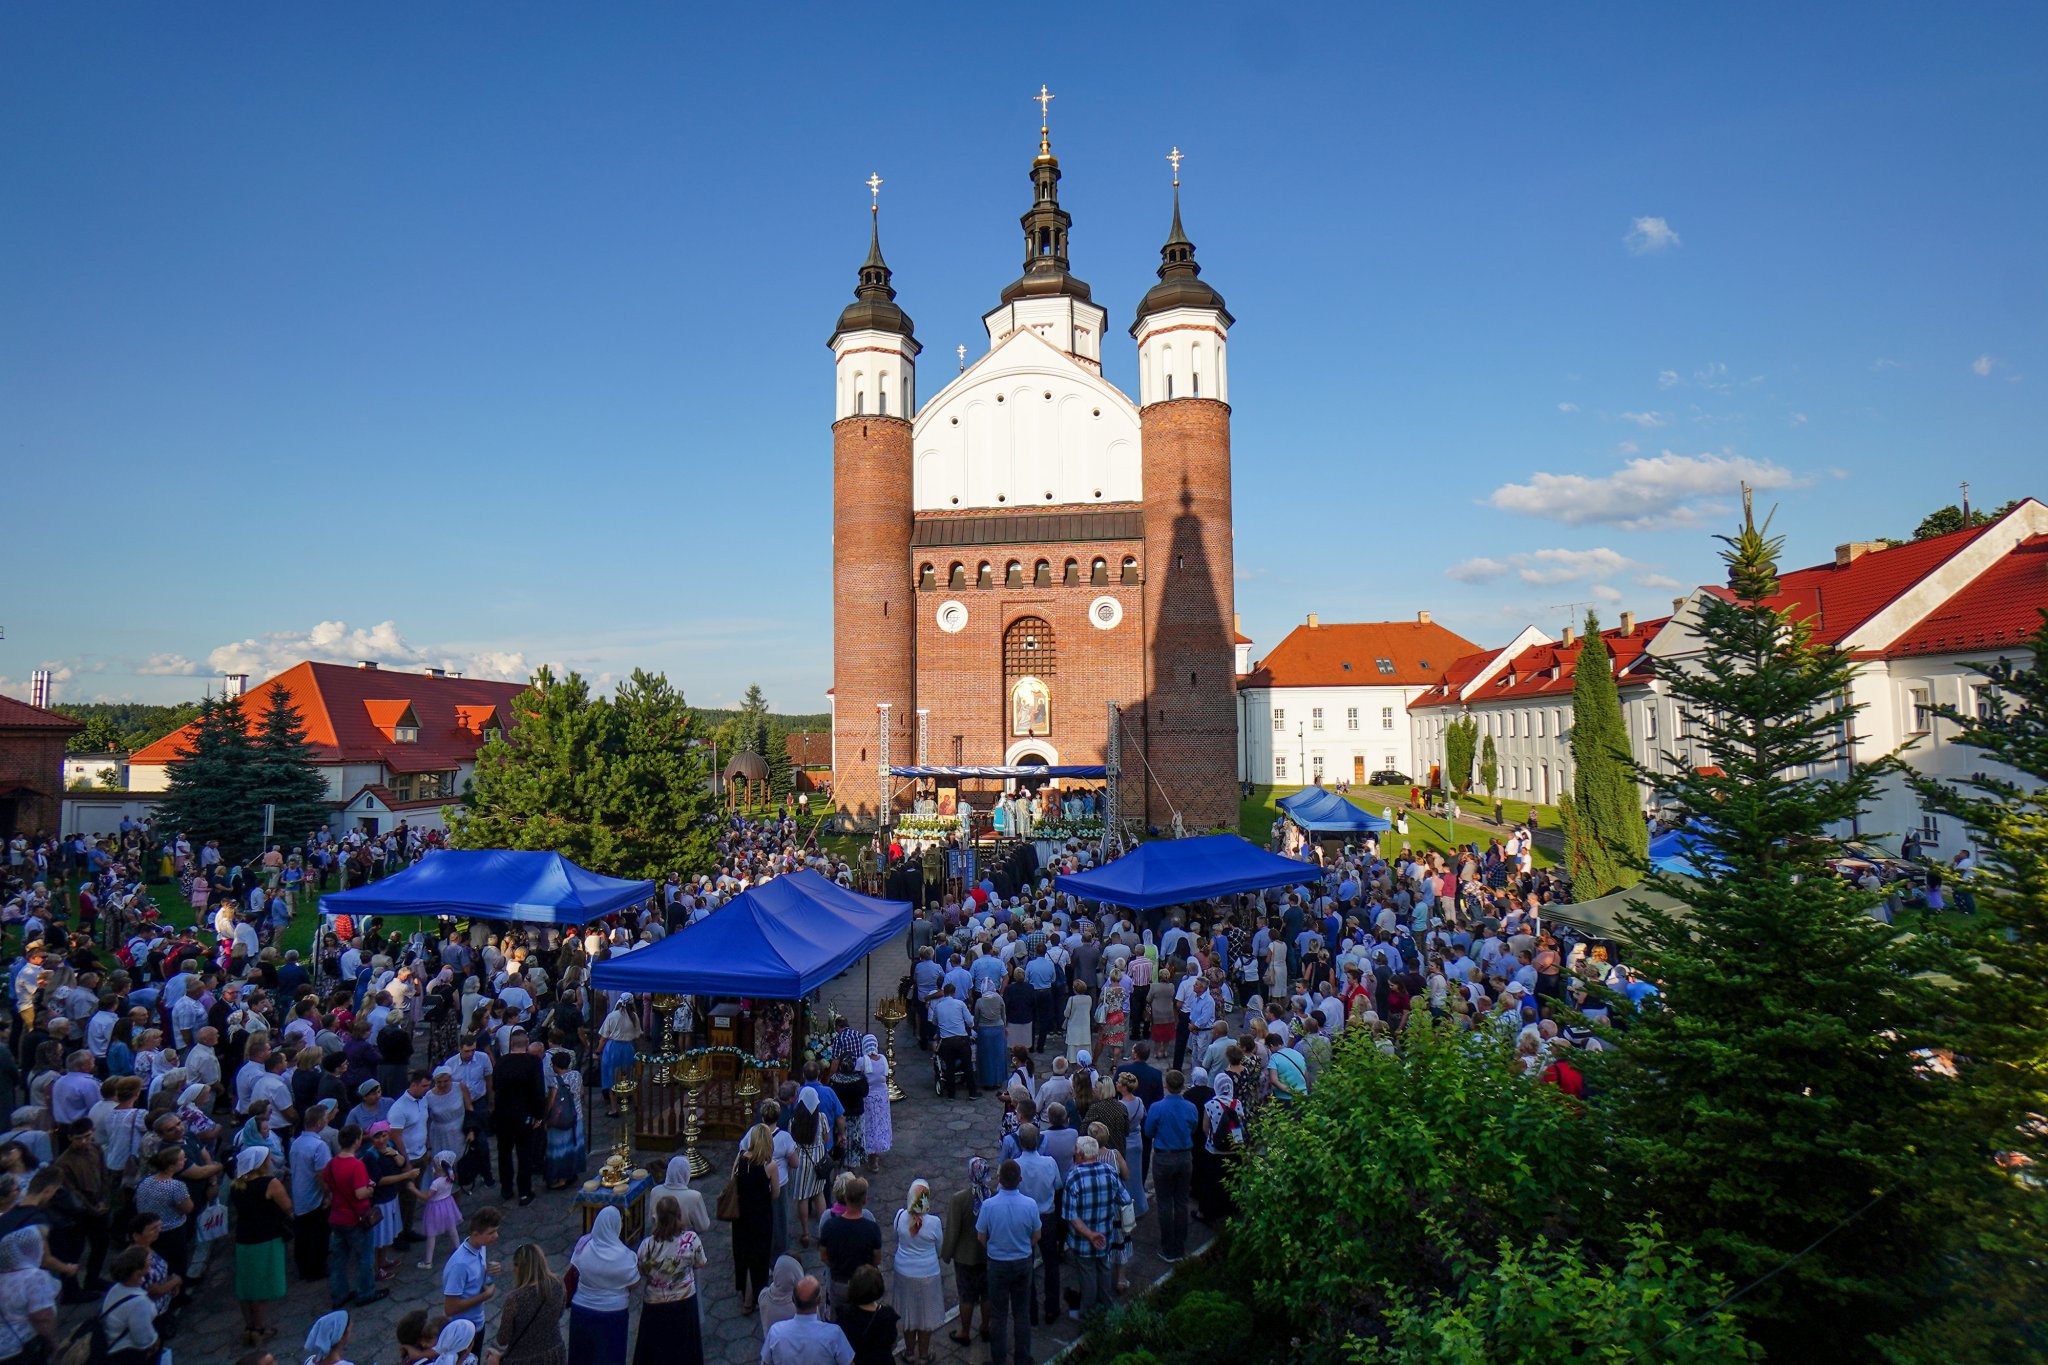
[[1323, 811], [1680, 851], [777, 941], [532, 888], [1177, 871]]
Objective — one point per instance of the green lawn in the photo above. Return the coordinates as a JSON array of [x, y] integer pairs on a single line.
[[1256, 814]]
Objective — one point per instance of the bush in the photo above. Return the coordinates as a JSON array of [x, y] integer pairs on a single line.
[[1208, 1325]]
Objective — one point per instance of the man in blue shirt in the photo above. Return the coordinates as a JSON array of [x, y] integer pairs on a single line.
[[1170, 1126], [1008, 1227], [466, 1280], [1092, 1203], [1041, 1179], [953, 1022], [1040, 975]]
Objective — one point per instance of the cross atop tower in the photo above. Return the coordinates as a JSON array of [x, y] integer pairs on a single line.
[[1176, 158], [1044, 97], [961, 351], [874, 183]]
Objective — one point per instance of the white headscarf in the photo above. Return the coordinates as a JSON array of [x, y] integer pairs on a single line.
[[453, 1343], [603, 1256], [325, 1333]]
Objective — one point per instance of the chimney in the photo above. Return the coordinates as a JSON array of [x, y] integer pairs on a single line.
[[366, 663], [1313, 621], [437, 672], [1237, 622], [234, 684], [1421, 618], [39, 687], [1566, 642], [1855, 550], [1628, 623], [1677, 605]]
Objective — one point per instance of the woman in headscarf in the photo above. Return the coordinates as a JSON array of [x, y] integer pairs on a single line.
[[455, 1344], [991, 1037], [606, 1273], [262, 1210], [1113, 1013], [446, 1103], [325, 1338], [812, 1133], [963, 1248], [257, 1133], [670, 1328], [778, 1300], [619, 1031], [676, 1185], [920, 1293], [568, 1126], [759, 1176], [28, 1297], [851, 1089], [878, 1132], [529, 1331]]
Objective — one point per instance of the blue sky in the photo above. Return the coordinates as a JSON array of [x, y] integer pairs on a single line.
[[489, 335]]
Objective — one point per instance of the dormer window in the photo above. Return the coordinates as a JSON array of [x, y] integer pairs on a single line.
[[1385, 666], [406, 734], [396, 719]]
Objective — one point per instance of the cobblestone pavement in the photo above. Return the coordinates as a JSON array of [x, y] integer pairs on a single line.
[[934, 1137]]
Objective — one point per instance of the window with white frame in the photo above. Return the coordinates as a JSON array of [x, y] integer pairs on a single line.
[[1316, 766], [1930, 830], [1540, 731], [1980, 702], [1279, 718], [1649, 720], [1388, 764], [1279, 767], [1386, 718], [1351, 718], [1315, 718], [1922, 703]]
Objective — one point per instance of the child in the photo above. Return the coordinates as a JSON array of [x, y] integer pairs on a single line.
[[440, 1215]]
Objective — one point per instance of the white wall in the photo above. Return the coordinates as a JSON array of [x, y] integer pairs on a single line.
[[1188, 346], [1062, 322], [993, 439], [1384, 737], [875, 375]]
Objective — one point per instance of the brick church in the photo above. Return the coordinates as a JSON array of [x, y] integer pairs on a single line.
[[1030, 544]]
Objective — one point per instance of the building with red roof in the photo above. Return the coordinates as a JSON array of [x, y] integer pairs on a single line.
[[1329, 704], [32, 740], [393, 746]]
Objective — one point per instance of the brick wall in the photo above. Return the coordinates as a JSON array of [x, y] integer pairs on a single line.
[[1190, 710], [33, 760], [872, 599]]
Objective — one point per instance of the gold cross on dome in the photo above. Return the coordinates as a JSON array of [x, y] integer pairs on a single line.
[[962, 351], [1176, 158], [874, 183], [1044, 97]]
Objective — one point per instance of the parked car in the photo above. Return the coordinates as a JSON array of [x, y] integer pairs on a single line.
[[1852, 856], [1388, 777]]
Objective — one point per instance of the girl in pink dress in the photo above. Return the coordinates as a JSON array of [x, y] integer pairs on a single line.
[[441, 1215]]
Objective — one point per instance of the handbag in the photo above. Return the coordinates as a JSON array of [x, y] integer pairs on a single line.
[[728, 1209], [213, 1222]]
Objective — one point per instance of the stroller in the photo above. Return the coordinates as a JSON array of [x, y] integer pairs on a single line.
[[474, 1164]]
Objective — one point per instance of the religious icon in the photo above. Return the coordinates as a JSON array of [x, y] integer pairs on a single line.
[[1030, 707], [949, 801]]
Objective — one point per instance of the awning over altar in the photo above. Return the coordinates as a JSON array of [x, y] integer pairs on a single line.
[[1177, 871], [777, 941], [533, 888], [1315, 808], [1007, 770]]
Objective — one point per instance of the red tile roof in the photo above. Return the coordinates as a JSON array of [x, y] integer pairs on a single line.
[[19, 715], [1542, 670], [1343, 655], [1242, 638], [1997, 609], [1838, 598], [349, 711], [1454, 678]]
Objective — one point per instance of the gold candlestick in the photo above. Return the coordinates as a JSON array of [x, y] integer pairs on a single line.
[[889, 1012], [622, 1146], [693, 1080]]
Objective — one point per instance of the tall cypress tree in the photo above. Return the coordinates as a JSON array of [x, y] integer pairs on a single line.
[[1768, 1106], [283, 773], [1461, 742], [207, 791], [1605, 839]]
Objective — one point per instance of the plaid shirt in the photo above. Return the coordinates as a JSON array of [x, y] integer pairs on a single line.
[[1095, 1195]]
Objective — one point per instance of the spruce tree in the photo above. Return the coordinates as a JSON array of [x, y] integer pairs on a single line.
[[283, 772], [1996, 1307], [1768, 1105], [1605, 839], [207, 787]]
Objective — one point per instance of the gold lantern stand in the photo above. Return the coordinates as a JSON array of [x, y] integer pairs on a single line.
[[693, 1077], [889, 1012]]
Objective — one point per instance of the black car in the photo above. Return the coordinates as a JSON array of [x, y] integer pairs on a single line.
[[1388, 777]]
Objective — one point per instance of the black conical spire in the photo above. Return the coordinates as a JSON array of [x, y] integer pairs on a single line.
[[1180, 283], [1045, 227], [874, 307]]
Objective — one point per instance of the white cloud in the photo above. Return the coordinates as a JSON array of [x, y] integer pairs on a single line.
[[266, 655], [1476, 570], [1668, 379], [1648, 236], [1658, 580], [1606, 593], [1648, 493], [1798, 419], [1646, 420], [1982, 366], [1886, 363], [1714, 377], [1567, 407], [167, 666], [1626, 448]]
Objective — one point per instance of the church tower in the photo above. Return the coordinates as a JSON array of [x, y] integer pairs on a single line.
[[874, 352], [1184, 413]]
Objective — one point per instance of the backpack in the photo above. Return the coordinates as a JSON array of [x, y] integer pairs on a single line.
[[1228, 1130]]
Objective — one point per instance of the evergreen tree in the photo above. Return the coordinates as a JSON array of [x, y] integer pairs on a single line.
[[282, 772], [780, 774], [753, 732], [1489, 766], [1996, 1307], [616, 787], [1461, 741], [1605, 839], [206, 793], [1768, 1106]]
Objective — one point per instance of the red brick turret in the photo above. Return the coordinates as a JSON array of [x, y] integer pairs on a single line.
[[873, 605]]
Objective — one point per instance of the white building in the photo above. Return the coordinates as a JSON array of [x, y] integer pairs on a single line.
[[1914, 616], [1330, 703]]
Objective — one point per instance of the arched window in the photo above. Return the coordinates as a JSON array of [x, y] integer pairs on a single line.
[[882, 397], [956, 577], [1169, 383], [1013, 575], [860, 402], [1130, 573], [1041, 576], [986, 577], [1072, 576], [927, 578], [1098, 572]]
